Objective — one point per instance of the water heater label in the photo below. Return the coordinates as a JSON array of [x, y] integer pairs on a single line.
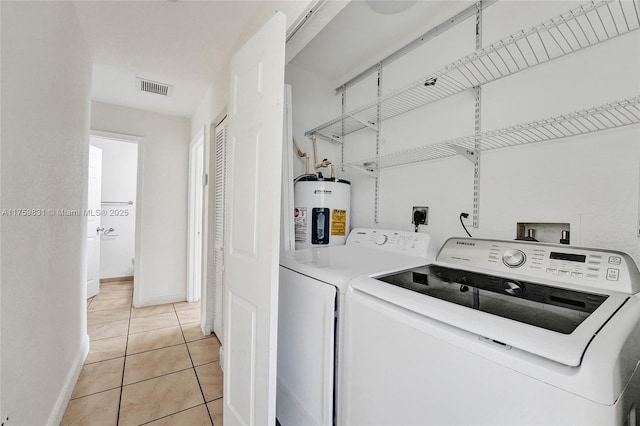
[[300, 223], [338, 223]]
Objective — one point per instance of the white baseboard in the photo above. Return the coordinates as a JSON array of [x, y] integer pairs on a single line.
[[160, 300], [93, 288], [72, 377], [207, 327], [221, 358]]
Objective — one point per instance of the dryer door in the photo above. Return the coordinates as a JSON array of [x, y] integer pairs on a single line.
[[306, 347]]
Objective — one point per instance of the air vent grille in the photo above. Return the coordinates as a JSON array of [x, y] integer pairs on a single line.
[[153, 87]]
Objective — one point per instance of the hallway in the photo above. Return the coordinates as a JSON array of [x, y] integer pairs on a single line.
[[146, 365]]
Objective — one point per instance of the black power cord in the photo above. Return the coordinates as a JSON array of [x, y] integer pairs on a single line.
[[465, 215], [419, 218]]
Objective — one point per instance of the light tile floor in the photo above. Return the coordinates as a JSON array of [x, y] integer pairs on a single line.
[[147, 365]]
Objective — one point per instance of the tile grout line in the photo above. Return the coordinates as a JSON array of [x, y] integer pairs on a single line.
[[156, 349], [159, 376], [91, 394], [94, 393], [126, 355], [173, 414], [204, 398], [192, 367], [124, 364]]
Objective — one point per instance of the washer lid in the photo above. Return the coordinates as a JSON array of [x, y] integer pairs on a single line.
[[551, 322], [337, 265]]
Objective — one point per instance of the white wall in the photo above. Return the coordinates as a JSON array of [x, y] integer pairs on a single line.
[[119, 178], [46, 83], [163, 226], [591, 182], [312, 104]]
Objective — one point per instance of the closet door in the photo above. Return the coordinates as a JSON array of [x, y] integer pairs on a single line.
[[220, 193], [252, 226]]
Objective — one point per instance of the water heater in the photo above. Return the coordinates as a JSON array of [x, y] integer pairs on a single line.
[[321, 211]]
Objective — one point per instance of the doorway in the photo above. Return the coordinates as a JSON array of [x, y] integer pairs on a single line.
[[119, 206]]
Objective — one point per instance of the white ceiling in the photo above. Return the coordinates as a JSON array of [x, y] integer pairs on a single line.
[[359, 37], [187, 43], [181, 43]]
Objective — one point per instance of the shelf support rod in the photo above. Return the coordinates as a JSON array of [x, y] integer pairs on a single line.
[[344, 110], [478, 126], [376, 216]]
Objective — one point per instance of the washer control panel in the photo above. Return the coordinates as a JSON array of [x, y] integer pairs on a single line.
[[404, 242], [610, 270]]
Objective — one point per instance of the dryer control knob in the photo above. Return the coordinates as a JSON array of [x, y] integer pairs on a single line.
[[513, 258], [381, 239]]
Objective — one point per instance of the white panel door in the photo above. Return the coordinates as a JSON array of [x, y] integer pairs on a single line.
[[93, 221], [252, 220]]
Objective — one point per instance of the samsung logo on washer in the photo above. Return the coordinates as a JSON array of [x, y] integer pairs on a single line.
[[465, 243], [322, 191]]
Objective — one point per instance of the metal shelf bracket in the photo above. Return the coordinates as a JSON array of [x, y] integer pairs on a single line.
[[334, 138], [467, 153], [365, 123], [367, 169]]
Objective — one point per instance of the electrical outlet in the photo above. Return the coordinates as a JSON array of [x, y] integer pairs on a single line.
[[420, 216]]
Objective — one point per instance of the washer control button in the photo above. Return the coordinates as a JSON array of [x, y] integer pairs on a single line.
[[561, 272], [552, 270], [615, 260], [381, 239], [613, 274], [576, 274], [513, 258]]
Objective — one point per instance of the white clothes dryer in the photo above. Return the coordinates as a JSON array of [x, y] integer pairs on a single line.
[[311, 307]]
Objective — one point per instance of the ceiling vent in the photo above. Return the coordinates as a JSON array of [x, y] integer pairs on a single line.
[[153, 87]]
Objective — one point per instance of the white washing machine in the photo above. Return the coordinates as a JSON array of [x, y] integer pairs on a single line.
[[310, 311], [496, 333]]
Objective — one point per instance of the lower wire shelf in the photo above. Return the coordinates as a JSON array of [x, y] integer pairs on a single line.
[[608, 116]]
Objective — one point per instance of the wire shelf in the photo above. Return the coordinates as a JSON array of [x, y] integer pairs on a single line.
[[608, 116], [581, 27]]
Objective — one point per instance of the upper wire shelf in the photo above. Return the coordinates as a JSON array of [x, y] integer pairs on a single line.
[[608, 116], [581, 27]]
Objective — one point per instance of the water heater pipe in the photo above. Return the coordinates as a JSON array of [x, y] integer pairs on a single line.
[[302, 154], [325, 162]]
